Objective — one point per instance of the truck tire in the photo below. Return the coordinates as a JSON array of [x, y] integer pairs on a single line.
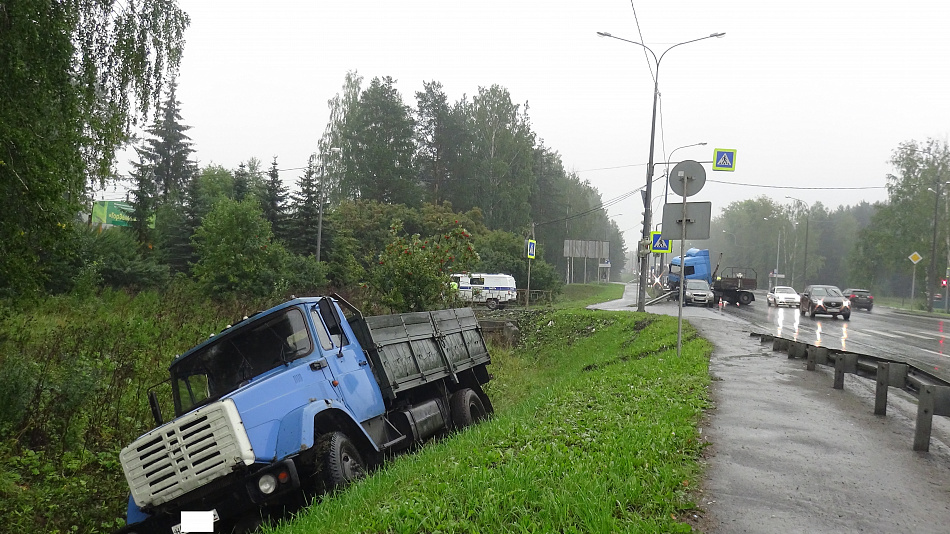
[[745, 299], [492, 304], [467, 408], [342, 463]]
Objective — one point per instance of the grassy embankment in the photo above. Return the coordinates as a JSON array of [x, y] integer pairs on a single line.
[[595, 430]]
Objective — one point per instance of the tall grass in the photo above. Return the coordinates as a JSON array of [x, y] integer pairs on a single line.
[[594, 431], [74, 372]]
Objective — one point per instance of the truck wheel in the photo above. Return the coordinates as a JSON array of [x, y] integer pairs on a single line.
[[467, 408], [342, 463], [492, 304], [745, 298]]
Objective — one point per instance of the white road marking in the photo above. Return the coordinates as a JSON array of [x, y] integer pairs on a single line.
[[929, 338], [878, 332], [938, 334]]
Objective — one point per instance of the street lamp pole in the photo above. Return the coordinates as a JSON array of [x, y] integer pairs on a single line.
[[932, 270], [805, 258], [643, 249], [778, 247]]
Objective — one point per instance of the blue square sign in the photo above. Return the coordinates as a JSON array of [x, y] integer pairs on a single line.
[[724, 159], [658, 244]]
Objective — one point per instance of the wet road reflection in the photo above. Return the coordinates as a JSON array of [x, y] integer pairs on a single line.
[[886, 331]]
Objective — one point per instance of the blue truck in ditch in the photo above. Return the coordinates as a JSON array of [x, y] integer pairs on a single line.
[[734, 284], [308, 395]]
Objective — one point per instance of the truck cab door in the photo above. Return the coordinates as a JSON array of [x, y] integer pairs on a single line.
[[347, 361]]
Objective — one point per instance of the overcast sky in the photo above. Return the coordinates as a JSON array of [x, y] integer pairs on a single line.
[[814, 95]]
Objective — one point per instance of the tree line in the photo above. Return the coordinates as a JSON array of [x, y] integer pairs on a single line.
[[861, 245]]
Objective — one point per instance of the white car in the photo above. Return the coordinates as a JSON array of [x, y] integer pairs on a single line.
[[783, 296]]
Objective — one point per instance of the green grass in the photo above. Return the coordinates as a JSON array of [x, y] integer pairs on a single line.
[[594, 431], [581, 295]]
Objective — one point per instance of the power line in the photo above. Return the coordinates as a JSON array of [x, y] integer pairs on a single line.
[[799, 187]]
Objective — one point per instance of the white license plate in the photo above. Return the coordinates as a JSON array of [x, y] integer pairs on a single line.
[[177, 528], [833, 310]]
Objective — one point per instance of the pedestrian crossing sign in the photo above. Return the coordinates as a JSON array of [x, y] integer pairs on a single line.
[[724, 159], [658, 244]]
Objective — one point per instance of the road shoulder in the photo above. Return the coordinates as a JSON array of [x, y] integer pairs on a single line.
[[789, 453]]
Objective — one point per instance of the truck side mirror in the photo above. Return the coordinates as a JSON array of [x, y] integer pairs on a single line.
[[156, 409]]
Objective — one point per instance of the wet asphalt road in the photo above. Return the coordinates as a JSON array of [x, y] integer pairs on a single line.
[[790, 454]]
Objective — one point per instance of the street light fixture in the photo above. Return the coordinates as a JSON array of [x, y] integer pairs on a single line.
[[805, 259], [643, 249]]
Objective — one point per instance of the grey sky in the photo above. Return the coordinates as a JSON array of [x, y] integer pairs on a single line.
[[812, 94]]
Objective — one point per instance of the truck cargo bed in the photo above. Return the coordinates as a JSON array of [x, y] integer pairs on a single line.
[[411, 349]]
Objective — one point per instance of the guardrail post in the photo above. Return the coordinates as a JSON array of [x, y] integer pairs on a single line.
[[816, 355], [779, 344], [931, 401], [796, 349], [888, 374], [844, 363]]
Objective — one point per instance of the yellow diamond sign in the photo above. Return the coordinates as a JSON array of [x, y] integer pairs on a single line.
[[915, 258]]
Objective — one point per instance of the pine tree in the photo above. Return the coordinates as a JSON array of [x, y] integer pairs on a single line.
[[142, 201], [168, 150], [242, 182], [274, 201], [305, 211]]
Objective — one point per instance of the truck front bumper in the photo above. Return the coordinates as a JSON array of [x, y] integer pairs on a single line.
[[231, 498]]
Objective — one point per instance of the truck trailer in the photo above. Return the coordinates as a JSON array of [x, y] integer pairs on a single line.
[[308, 395]]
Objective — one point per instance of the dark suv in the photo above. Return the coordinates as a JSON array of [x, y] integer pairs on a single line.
[[860, 298], [826, 300]]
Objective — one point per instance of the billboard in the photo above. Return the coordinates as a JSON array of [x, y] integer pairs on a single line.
[[115, 213]]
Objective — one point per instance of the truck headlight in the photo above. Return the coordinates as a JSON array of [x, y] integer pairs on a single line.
[[267, 484]]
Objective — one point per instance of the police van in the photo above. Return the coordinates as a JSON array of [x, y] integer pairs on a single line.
[[494, 290]]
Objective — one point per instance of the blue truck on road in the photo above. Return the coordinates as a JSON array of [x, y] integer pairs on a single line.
[[307, 395], [734, 284]]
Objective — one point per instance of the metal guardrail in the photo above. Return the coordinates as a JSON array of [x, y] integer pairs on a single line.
[[932, 392]]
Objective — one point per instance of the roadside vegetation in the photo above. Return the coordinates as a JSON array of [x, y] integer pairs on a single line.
[[581, 295], [595, 430]]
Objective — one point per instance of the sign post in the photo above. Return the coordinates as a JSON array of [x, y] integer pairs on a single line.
[[913, 281], [686, 179]]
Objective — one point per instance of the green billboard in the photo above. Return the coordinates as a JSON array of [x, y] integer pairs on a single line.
[[115, 213]]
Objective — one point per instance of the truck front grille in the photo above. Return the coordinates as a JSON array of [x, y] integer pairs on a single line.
[[186, 453]]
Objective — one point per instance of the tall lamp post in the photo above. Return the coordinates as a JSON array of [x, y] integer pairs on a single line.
[[643, 248], [805, 259], [932, 270]]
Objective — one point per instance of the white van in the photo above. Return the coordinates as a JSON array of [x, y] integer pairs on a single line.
[[495, 290]]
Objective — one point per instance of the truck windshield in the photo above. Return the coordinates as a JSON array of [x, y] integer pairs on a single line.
[[236, 357]]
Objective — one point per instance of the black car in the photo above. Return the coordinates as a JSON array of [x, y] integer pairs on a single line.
[[826, 300], [860, 298]]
